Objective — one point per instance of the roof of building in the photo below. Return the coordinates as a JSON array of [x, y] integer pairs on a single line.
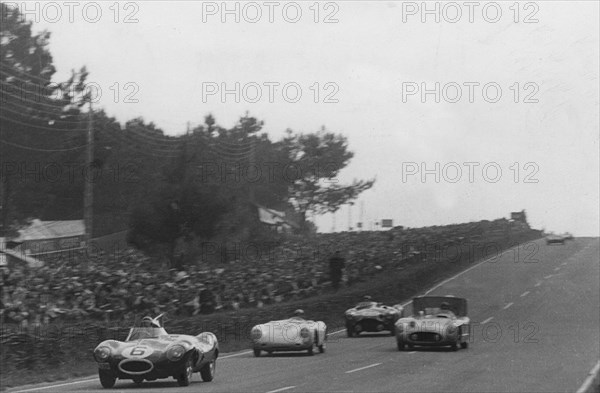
[[39, 230]]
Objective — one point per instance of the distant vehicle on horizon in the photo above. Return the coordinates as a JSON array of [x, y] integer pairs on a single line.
[[555, 239]]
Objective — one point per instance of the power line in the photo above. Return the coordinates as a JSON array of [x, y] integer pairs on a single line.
[[39, 149]]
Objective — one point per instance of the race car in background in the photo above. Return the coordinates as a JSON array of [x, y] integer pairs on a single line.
[[436, 321], [150, 353], [555, 239], [293, 334], [370, 316]]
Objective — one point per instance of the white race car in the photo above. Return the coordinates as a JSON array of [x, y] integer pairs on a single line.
[[294, 334]]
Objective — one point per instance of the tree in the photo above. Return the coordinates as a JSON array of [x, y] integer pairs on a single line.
[[39, 121], [315, 161]]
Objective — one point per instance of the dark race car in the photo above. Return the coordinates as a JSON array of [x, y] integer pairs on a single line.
[[150, 353], [555, 239], [369, 316]]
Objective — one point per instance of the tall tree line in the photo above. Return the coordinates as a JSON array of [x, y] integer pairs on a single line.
[[203, 184]]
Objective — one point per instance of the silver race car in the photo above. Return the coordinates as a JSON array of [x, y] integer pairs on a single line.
[[293, 334], [436, 321]]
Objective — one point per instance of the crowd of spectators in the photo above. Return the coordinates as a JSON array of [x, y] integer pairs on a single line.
[[127, 283]]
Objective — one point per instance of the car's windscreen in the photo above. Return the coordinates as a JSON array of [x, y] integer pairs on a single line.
[[363, 305], [432, 305], [139, 333]]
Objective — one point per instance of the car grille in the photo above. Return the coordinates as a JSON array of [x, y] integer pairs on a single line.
[[425, 337], [136, 366]]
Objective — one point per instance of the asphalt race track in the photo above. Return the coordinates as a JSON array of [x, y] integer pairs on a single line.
[[535, 314]]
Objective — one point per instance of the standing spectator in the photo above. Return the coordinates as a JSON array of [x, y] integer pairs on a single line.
[[336, 264]]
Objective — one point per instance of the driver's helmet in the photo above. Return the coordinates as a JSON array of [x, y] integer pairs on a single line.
[[149, 322], [299, 313], [367, 298], [445, 306]]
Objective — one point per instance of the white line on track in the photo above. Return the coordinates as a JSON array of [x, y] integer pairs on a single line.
[[95, 379], [556, 269], [525, 294], [55, 386], [487, 320], [235, 354], [463, 272], [410, 353], [593, 374], [281, 389], [507, 306], [538, 284], [363, 368], [548, 276]]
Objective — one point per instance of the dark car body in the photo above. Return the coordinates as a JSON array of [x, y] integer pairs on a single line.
[[371, 317], [555, 239], [150, 353]]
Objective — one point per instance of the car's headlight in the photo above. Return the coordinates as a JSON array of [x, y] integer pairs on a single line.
[[451, 329], [413, 324], [400, 328], [304, 333], [256, 333], [349, 316], [175, 353], [102, 354]]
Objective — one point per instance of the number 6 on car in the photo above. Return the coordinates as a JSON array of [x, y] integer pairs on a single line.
[[140, 351]]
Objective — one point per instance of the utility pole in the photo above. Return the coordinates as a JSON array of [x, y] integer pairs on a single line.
[[362, 214], [88, 196], [252, 162], [4, 193], [350, 217], [333, 222]]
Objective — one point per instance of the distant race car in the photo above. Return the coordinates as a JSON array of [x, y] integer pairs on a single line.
[[568, 236], [150, 353], [369, 316], [294, 334], [436, 321], [552, 239]]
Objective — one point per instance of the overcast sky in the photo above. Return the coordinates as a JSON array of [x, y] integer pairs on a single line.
[[373, 57]]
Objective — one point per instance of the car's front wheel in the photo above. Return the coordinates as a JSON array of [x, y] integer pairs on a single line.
[[454, 345], [463, 344], [185, 378], [400, 345], [107, 378], [207, 372]]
